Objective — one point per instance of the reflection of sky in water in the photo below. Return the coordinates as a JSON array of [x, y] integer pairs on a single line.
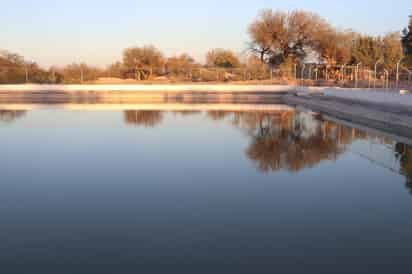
[[187, 190]]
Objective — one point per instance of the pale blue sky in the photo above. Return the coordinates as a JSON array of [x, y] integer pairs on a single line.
[[96, 31]]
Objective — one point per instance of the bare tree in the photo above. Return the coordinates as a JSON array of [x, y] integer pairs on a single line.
[[77, 73], [142, 61], [116, 70], [179, 66], [277, 36], [392, 49], [222, 58], [335, 47]]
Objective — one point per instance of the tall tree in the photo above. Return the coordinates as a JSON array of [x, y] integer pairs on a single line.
[[277, 36], [407, 42], [334, 46], [392, 49], [367, 50]]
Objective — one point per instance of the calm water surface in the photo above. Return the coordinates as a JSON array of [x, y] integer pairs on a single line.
[[200, 192]]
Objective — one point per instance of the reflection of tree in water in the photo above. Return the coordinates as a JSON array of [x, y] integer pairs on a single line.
[[404, 154], [290, 140], [186, 112], [143, 118], [291, 144], [287, 139], [217, 115], [11, 115]]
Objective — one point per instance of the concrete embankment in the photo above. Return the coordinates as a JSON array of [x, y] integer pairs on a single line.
[[149, 88], [388, 111], [384, 96], [387, 117]]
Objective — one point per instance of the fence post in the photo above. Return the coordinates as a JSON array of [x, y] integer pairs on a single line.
[[397, 73], [357, 74], [376, 72], [27, 73], [369, 78], [385, 79], [388, 83], [301, 74], [398, 66], [342, 73]]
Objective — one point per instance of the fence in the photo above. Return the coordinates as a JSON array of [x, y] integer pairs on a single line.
[[306, 74], [354, 76]]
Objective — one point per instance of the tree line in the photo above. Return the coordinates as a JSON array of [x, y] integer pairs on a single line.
[[278, 40], [138, 63]]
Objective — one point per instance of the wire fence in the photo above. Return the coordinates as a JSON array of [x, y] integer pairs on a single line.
[[348, 76]]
